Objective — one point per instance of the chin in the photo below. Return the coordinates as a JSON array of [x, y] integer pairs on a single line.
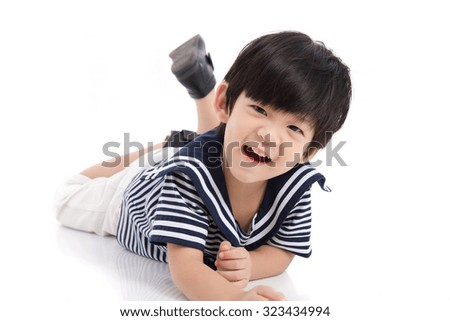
[[247, 176]]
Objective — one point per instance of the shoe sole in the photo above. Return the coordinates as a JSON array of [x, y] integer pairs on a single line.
[[186, 56]]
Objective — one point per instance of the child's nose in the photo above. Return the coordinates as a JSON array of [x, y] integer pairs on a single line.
[[269, 138], [270, 141]]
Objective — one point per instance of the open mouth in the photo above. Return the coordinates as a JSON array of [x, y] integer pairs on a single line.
[[249, 152]]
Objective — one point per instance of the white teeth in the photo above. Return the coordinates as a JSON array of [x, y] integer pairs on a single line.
[[260, 153]]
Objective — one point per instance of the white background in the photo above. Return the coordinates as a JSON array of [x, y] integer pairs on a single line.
[[77, 74]]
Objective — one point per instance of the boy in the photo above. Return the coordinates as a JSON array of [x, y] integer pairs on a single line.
[[233, 204]]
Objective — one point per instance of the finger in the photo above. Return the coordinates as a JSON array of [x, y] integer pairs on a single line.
[[270, 293], [252, 295], [225, 246], [256, 297], [239, 264], [234, 253]]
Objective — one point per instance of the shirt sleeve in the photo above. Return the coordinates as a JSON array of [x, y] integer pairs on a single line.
[[180, 215], [294, 235]]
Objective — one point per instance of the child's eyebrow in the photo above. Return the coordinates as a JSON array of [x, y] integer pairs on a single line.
[[299, 120]]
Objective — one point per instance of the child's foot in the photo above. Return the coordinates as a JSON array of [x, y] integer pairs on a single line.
[[193, 67]]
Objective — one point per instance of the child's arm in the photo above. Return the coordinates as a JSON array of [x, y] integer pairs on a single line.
[[268, 261], [239, 266], [199, 282]]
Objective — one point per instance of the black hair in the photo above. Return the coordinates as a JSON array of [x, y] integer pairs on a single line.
[[290, 72]]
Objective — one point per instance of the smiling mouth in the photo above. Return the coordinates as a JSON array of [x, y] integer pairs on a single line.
[[248, 151]]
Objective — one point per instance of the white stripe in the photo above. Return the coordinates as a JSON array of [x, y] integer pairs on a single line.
[[176, 225], [294, 233], [198, 201], [302, 208], [180, 236], [290, 244], [181, 215], [300, 220]]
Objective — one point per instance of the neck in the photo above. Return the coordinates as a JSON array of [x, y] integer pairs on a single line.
[[236, 187], [245, 198]]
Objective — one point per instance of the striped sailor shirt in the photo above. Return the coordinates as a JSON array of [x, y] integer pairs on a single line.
[[183, 200]]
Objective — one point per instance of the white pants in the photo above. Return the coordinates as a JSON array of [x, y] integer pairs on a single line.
[[93, 205]]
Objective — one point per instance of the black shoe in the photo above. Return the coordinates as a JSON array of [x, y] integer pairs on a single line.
[[193, 67], [179, 138]]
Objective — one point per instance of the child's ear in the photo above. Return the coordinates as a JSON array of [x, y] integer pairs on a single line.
[[220, 102]]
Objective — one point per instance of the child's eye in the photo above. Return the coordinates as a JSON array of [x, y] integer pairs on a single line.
[[259, 110], [295, 129]]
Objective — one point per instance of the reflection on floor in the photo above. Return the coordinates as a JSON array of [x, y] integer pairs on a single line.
[[137, 277]]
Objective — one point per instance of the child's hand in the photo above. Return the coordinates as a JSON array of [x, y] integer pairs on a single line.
[[234, 264], [262, 293]]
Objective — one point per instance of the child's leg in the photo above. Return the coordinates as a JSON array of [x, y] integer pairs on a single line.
[[115, 165], [206, 116], [92, 204], [194, 69]]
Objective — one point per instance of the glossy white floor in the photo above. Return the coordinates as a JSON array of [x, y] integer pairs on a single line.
[[74, 76], [130, 277]]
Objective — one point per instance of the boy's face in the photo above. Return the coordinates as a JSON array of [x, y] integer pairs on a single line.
[[261, 143]]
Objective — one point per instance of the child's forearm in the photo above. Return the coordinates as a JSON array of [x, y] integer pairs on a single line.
[[269, 261], [196, 280]]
